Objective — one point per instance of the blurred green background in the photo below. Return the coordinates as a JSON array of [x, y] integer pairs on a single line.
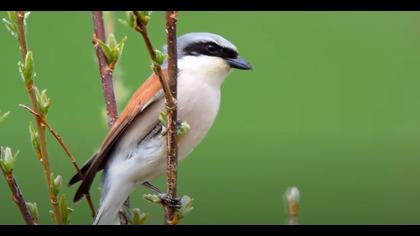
[[332, 106]]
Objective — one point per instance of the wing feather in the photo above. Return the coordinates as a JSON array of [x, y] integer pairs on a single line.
[[146, 94]]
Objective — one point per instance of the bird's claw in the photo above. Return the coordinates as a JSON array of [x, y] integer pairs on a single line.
[[171, 202]]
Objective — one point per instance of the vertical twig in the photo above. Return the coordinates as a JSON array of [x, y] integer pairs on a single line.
[[106, 77], [104, 69], [40, 127], [17, 197], [171, 107]]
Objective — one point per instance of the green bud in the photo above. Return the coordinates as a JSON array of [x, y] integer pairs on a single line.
[[112, 42], [163, 117], [138, 218], [186, 205], [7, 159], [4, 116], [34, 139], [33, 208], [130, 20], [26, 69], [152, 198], [112, 50], [29, 66], [56, 184], [10, 23], [183, 128], [64, 210], [160, 57], [12, 16], [44, 102], [106, 49], [145, 16]]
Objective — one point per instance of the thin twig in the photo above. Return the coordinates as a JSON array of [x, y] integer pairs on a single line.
[[106, 78], [169, 88], [18, 197], [104, 69], [172, 157], [65, 149], [40, 128]]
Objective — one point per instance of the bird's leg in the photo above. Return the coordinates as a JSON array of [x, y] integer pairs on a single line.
[[174, 203], [151, 187]]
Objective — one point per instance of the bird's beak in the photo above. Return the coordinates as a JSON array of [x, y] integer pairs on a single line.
[[238, 63]]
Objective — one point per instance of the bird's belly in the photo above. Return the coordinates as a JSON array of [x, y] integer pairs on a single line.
[[198, 108]]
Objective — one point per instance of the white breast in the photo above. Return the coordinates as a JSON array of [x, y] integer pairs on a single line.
[[199, 82]]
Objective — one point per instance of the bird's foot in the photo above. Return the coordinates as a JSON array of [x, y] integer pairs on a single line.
[[171, 202]]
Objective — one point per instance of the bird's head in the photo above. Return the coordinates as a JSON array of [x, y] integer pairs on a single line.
[[208, 53]]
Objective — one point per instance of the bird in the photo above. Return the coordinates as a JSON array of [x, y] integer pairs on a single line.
[[134, 150]]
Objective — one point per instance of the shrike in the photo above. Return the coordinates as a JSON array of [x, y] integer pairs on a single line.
[[134, 151]]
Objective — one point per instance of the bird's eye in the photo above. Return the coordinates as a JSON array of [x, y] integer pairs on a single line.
[[211, 48]]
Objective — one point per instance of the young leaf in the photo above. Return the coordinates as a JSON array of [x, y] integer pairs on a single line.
[[186, 205], [34, 139], [29, 65], [7, 159], [138, 218], [33, 208], [160, 56], [65, 211], [4, 116]]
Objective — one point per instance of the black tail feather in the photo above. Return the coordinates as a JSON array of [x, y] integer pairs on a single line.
[[76, 178]]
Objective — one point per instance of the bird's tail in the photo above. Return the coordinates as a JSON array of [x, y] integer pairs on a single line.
[[113, 198]]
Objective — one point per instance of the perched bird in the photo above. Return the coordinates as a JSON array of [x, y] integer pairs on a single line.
[[134, 151]]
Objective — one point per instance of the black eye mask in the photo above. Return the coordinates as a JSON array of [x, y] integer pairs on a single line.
[[209, 49]]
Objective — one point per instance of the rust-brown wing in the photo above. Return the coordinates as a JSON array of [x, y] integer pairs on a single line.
[[145, 95]]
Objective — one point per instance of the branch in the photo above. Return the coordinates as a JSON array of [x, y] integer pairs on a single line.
[[65, 149], [172, 156], [104, 69], [17, 196], [169, 88], [43, 156], [106, 77]]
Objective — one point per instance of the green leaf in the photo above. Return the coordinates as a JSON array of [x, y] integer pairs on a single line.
[[29, 65], [186, 202], [12, 16], [7, 159], [106, 49], [64, 210], [145, 16], [44, 102], [163, 117], [55, 184], [34, 139], [138, 218], [11, 22], [33, 208], [4, 116], [112, 42], [160, 56], [22, 70], [112, 50], [152, 198]]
